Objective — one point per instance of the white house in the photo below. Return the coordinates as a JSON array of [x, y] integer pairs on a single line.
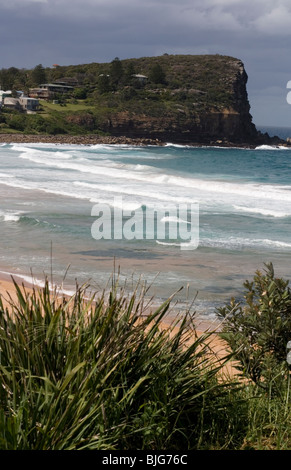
[[142, 79], [24, 103], [11, 103], [28, 104]]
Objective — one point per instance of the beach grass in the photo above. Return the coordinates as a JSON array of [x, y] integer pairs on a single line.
[[97, 373], [101, 371]]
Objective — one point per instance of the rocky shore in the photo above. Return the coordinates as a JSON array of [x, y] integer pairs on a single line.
[[94, 139], [75, 139]]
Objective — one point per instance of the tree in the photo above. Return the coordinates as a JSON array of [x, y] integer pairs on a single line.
[[129, 73], [38, 75], [104, 85], [8, 77], [116, 71], [258, 331], [157, 75], [80, 93]]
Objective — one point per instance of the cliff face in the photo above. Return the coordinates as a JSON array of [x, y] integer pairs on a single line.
[[208, 127], [218, 110]]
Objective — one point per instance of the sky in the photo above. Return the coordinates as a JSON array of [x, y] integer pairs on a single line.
[[70, 32]]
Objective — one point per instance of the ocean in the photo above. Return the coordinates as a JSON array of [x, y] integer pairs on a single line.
[[51, 194]]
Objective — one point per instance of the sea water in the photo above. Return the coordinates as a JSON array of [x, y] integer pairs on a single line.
[[47, 193]]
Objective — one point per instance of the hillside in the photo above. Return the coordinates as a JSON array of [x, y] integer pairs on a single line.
[[174, 98]]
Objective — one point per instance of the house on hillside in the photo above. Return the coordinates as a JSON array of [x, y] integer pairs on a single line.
[[38, 93], [23, 103], [5, 94], [67, 81], [141, 78], [47, 91], [12, 103], [28, 104]]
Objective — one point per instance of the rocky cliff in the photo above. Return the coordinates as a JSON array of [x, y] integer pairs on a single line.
[[202, 100]]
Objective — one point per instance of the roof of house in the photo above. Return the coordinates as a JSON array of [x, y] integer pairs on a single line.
[[54, 85], [28, 98], [11, 101]]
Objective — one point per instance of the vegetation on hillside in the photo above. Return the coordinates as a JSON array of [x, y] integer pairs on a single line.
[[176, 86], [104, 373]]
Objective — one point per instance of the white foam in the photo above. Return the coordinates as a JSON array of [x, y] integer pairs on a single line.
[[43, 146], [174, 219], [135, 191], [274, 243], [183, 245], [178, 146], [254, 190], [272, 147], [261, 211], [6, 175], [167, 243], [38, 283], [10, 216], [239, 243], [117, 203]]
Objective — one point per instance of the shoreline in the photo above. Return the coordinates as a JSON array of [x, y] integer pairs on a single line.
[[216, 347], [93, 139], [7, 289]]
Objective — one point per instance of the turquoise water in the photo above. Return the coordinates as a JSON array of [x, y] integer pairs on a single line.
[[244, 197]]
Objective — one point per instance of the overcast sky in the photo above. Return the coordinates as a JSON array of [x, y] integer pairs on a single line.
[[69, 32]]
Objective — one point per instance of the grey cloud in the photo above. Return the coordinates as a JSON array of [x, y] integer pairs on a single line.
[[82, 31]]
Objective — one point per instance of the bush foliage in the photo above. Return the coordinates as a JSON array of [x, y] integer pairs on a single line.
[[258, 331]]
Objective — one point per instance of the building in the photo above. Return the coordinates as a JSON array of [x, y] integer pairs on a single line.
[[24, 103], [67, 81], [12, 103], [141, 78], [5, 94], [29, 104], [39, 93], [47, 91]]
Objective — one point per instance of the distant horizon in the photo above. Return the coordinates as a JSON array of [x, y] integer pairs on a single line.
[[273, 126]]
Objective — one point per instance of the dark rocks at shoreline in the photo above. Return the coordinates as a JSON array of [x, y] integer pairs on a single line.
[[76, 139], [263, 139]]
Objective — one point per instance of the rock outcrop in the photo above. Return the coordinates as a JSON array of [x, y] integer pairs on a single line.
[[217, 112]]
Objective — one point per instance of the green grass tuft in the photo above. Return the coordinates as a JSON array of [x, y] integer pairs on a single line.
[[98, 373]]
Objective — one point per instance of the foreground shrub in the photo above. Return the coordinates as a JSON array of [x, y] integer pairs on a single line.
[[99, 373], [258, 331]]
